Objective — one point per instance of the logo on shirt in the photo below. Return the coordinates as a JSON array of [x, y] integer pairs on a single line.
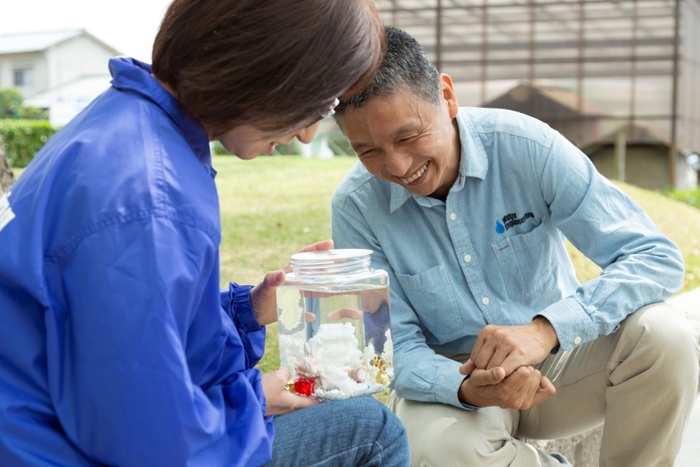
[[511, 220], [6, 214]]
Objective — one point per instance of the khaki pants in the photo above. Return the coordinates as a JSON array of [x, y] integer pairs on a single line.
[[640, 382]]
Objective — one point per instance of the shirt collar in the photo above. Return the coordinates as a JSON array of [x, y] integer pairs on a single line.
[[473, 163], [129, 74]]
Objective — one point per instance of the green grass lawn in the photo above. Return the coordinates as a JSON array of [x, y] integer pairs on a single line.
[[273, 206]]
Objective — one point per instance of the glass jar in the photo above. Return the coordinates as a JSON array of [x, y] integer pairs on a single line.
[[334, 325]]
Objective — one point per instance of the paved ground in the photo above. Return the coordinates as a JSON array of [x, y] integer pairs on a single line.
[[690, 449]]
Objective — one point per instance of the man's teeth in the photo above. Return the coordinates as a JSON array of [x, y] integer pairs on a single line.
[[413, 177]]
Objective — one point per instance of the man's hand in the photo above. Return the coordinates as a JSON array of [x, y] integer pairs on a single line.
[[524, 389], [511, 347], [263, 296], [280, 401]]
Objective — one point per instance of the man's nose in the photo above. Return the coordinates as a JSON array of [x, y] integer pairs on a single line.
[[397, 163]]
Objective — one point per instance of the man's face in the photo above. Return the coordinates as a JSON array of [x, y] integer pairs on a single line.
[[407, 140]]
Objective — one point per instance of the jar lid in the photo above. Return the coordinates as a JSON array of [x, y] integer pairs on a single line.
[[331, 261]]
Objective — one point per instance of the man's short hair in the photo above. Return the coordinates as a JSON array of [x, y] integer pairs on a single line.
[[274, 64], [405, 67]]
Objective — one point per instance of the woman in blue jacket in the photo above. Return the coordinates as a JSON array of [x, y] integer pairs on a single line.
[[117, 346]]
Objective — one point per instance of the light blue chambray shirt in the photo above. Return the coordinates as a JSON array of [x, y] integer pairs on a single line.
[[494, 253]]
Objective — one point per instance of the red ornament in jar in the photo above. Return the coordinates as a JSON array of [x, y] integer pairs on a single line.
[[304, 386]]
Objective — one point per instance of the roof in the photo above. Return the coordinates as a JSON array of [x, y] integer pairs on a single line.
[[23, 42], [532, 98], [637, 133]]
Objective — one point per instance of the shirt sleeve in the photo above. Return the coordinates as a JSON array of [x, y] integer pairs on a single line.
[[421, 374], [145, 367], [639, 265], [236, 302]]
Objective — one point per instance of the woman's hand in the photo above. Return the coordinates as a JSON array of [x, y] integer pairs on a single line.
[[278, 400], [263, 297]]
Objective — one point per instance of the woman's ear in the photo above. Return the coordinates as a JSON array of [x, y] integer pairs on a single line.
[[448, 94]]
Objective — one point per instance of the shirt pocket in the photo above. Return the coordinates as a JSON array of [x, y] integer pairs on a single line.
[[525, 260], [431, 295]]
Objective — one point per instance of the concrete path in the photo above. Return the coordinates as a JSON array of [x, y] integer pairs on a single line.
[[689, 455]]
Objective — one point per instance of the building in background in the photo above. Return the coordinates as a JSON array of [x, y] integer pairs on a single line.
[[638, 61], [645, 163], [61, 71], [555, 106]]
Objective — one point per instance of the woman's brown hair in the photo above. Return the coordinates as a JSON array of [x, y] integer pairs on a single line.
[[273, 64]]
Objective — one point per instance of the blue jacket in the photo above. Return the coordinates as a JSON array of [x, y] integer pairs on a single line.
[[116, 345]]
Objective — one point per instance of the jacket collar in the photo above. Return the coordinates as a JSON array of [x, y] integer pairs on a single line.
[[131, 75]]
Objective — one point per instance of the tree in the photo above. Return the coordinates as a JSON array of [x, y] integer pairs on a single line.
[[6, 176]]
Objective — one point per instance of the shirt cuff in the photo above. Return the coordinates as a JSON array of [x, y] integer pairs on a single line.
[[447, 387], [240, 309], [571, 323]]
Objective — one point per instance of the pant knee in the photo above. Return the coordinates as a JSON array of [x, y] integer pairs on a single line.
[[665, 335], [441, 445]]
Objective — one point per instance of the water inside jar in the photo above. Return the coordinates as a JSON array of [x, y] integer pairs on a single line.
[[336, 338]]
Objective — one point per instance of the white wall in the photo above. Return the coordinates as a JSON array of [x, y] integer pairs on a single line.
[[66, 101], [76, 57], [35, 60]]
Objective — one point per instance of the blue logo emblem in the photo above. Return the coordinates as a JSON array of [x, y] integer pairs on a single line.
[[511, 220], [500, 228]]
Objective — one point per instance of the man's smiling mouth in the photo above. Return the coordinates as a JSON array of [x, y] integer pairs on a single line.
[[415, 176]]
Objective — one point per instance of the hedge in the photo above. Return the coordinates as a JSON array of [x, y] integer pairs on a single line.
[[24, 138], [691, 197]]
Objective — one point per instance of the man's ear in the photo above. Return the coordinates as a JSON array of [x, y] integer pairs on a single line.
[[448, 94]]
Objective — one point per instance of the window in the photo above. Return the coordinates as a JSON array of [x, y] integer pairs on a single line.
[[23, 77]]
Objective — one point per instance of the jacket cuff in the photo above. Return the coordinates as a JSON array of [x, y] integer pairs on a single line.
[[240, 309]]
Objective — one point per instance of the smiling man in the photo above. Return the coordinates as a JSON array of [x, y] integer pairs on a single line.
[[495, 339]]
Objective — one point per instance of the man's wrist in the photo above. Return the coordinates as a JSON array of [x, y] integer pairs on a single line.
[[547, 331], [463, 394], [464, 402]]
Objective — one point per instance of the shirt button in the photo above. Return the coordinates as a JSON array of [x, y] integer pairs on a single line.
[[485, 301], [467, 259], [453, 216], [577, 340]]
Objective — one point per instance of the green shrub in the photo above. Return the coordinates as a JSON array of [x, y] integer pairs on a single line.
[[10, 103], [24, 138], [33, 113], [11, 107], [691, 197]]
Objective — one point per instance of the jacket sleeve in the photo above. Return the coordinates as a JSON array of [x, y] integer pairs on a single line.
[[639, 265], [236, 302], [145, 367], [421, 374]]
